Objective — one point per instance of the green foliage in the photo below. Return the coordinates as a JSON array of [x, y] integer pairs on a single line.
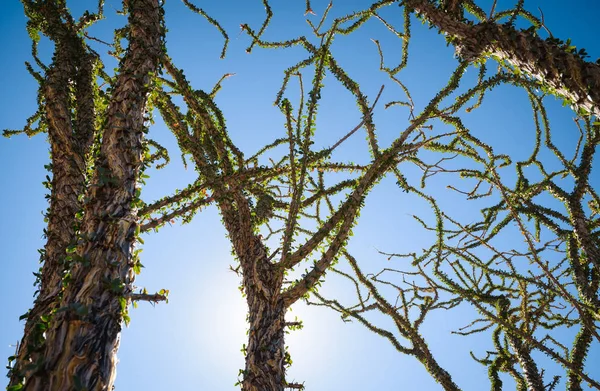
[[307, 203]]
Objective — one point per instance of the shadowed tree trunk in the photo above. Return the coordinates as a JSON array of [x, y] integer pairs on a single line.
[[265, 358], [70, 139], [82, 337]]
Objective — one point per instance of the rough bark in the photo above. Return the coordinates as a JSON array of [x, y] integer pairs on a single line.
[[563, 73], [265, 358], [70, 141], [83, 336], [453, 7], [265, 352]]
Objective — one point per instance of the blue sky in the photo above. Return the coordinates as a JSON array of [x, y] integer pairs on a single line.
[[194, 342]]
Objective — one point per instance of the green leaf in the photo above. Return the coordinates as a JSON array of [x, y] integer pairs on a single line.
[[137, 268]]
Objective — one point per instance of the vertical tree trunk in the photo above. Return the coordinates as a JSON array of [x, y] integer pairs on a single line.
[[83, 337], [265, 352], [70, 142], [265, 356]]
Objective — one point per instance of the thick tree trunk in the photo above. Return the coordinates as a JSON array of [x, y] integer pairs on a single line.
[[265, 356], [83, 336], [70, 141], [262, 280], [265, 352], [564, 74]]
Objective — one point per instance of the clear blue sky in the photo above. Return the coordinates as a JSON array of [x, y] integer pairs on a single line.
[[194, 342]]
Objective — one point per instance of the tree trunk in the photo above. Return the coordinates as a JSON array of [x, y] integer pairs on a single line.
[[265, 352], [70, 142], [562, 73], [265, 356], [83, 336]]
